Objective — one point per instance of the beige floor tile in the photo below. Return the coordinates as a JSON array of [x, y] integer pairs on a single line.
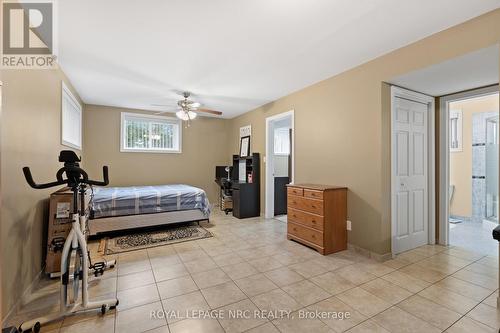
[[133, 256], [463, 254], [492, 300], [468, 325], [307, 269], [218, 250], [341, 322], [483, 269], [238, 271], [396, 264], [397, 320], [135, 280], [240, 317], [176, 287], [139, 319], [165, 261], [283, 276], [423, 273], [200, 265], [433, 313], [99, 287], [276, 300], [364, 302], [406, 281], [387, 291], [170, 272], [446, 269], [294, 324], [191, 255], [97, 324], [369, 326], [431, 249], [184, 306], [449, 299], [255, 284], [487, 315], [223, 294], [375, 268], [133, 266], [332, 283], [161, 251], [210, 278], [162, 329], [411, 257], [464, 288], [306, 292], [227, 259], [477, 279], [266, 328], [137, 296], [265, 264], [289, 258], [491, 261], [196, 325], [355, 274], [443, 258]]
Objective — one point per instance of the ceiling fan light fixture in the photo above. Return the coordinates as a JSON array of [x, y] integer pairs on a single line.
[[183, 115]]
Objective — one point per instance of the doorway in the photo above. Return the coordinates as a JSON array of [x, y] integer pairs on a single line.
[[470, 212], [279, 163], [412, 169]]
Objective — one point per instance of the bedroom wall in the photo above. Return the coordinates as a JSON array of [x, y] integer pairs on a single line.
[[30, 136], [346, 141], [204, 145]]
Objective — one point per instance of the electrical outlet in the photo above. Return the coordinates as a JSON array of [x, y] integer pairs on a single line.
[[349, 226]]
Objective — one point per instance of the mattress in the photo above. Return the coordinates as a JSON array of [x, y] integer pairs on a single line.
[[137, 200]]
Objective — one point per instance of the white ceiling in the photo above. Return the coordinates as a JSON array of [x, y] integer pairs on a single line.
[[234, 55], [473, 70]]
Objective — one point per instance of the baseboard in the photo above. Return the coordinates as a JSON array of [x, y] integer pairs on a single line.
[[369, 254], [28, 291]]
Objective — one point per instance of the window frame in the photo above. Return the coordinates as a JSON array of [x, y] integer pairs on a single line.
[[67, 94], [458, 115], [172, 120]]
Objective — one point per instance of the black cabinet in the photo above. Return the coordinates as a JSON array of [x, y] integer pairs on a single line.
[[246, 192]]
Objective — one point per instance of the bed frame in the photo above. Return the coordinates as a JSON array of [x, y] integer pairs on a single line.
[[118, 223]]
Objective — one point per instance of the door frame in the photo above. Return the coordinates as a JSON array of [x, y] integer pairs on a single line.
[[397, 92], [269, 162], [444, 156]]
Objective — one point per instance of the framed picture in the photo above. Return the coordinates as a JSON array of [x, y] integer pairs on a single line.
[[245, 146]]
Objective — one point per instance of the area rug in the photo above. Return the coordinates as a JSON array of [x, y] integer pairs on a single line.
[[148, 239]]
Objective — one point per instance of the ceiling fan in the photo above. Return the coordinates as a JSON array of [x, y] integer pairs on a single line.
[[188, 109]]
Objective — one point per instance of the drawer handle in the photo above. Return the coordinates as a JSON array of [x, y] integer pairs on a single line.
[[294, 229], [312, 206], [313, 221], [313, 236], [293, 215], [294, 202]]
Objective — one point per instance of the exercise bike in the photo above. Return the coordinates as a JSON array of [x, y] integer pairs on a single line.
[[75, 259]]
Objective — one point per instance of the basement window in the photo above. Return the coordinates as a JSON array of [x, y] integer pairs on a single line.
[[71, 119], [455, 130], [150, 134], [282, 141]]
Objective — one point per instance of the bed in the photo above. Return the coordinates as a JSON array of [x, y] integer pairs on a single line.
[[121, 208]]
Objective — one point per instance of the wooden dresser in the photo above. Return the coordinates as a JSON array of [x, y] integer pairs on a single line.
[[317, 216]]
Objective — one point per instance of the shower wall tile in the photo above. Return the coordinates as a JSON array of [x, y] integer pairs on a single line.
[[478, 160], [478, 198]]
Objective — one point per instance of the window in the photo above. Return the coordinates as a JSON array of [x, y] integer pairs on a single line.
[[148, 133], [455, 130], [282, 141], [71, 119]]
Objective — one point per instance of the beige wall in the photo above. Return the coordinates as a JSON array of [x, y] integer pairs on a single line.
[[461, 162], [342, 125], [30, 136], [204, 145]]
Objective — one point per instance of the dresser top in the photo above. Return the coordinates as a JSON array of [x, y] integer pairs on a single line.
[[318, 187]]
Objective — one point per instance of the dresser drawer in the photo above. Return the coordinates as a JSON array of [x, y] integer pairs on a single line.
[[305, 233], [313, 194], [308, 205], [307, 219], [295, 191]]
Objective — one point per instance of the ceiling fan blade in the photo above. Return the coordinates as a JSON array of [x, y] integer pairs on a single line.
[[217, 113], [194, 105]]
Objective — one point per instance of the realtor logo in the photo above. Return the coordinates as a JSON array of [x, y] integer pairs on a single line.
[[28, 35]]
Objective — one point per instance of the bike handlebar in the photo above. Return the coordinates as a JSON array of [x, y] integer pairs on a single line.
[[61, 181]]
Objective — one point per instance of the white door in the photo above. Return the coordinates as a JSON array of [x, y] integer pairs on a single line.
[[410, 187]]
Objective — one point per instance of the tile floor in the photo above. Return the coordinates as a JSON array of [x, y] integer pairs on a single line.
[[249, 268], [474, 236]]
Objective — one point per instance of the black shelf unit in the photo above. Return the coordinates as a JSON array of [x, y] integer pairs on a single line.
[[246, 194]]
